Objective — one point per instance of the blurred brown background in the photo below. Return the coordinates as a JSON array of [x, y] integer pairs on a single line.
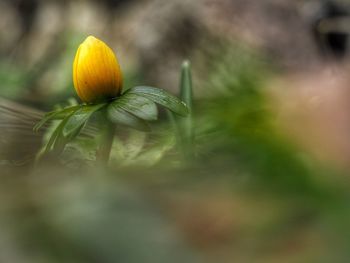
[[272, 121], [152, 37]]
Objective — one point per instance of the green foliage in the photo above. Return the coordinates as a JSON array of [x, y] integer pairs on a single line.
[[72, 120], [133, 111], [238, 125], [141, 107], [137, 106], [118, 115], [134, 108], [161, 97], [56, 115], [79, 118], [57, 138]]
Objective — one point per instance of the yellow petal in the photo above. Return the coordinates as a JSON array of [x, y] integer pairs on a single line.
[[96, 72]]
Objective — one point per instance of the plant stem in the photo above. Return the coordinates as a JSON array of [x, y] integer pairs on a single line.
[[106, 142]]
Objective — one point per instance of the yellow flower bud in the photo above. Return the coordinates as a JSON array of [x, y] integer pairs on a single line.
[[96, 72]]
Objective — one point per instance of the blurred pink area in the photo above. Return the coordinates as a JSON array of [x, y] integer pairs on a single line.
[[313, 107]]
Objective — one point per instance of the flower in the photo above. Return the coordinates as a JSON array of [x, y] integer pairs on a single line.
[[96, 72]]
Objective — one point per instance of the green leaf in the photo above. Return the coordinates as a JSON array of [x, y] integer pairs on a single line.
[[118, 115], [139, 106], [70, 126], [55, 115], [46, 118], [57, 133], [161, 97], [79, 118]]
